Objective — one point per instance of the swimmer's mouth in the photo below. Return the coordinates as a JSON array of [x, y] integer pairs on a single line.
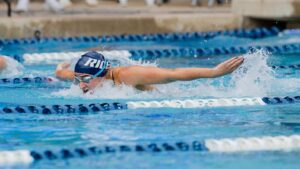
[[85, 90]]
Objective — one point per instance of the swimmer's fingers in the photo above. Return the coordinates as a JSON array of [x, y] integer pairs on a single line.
[[228, 66], [229, 61], [236, 63]]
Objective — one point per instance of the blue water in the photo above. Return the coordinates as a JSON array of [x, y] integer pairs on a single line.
[[254, 79]]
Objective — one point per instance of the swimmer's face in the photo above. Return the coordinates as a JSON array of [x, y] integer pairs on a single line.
[[84, 83]]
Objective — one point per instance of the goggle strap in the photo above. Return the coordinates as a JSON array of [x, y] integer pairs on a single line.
[[100, 71]]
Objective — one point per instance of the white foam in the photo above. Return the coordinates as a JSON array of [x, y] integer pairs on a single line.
[[253, 77]]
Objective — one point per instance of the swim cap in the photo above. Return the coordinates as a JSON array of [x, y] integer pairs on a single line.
[[92, 63]]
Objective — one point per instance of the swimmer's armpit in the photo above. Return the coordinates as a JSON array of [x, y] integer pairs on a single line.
[[145, 87]]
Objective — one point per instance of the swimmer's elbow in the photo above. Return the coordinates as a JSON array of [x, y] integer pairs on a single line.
[[59, 74], [64, 75]]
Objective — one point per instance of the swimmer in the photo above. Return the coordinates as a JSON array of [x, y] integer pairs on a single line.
[[92, 69]]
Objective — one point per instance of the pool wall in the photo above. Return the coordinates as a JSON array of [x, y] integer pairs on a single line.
[[115, 24], [111, 19]]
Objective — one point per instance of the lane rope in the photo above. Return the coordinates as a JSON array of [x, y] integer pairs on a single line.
[[292, 66], [255, 33], [226, 145], [144, 54], [102, 107], [27, 80]]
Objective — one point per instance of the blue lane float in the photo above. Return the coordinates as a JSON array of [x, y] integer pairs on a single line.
[[64, 109], [27, 80], [102, 107], [226, 145], [145, 54], [293, 66], [199, 52], [244, 33]]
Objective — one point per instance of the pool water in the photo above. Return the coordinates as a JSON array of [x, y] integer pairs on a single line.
[[255, 78]]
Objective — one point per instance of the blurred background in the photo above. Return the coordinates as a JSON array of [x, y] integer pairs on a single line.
[[51, 18], [159, 33]]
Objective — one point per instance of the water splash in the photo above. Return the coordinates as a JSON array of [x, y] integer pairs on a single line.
[[253, 79]]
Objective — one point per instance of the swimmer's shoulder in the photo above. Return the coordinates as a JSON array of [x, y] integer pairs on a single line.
[[124, 74], [126, 70]]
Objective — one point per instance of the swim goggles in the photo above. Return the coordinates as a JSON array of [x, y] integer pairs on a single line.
[[87, 79]]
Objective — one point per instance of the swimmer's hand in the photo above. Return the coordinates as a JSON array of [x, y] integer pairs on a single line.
[[228, 66]]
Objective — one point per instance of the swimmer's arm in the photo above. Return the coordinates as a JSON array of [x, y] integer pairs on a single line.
[[152, 75], [63, 72]]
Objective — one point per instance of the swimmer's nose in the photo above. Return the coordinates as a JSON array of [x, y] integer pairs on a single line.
[[82, 85]]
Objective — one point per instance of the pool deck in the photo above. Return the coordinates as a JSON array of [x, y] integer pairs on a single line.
[[111, 18]]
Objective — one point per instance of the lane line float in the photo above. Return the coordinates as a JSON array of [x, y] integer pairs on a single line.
[[27, 80], [226, 145], [144, 54], [254, 33], [188, 103]]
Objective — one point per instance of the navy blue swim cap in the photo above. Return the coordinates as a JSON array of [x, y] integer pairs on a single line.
[[92, 63]]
